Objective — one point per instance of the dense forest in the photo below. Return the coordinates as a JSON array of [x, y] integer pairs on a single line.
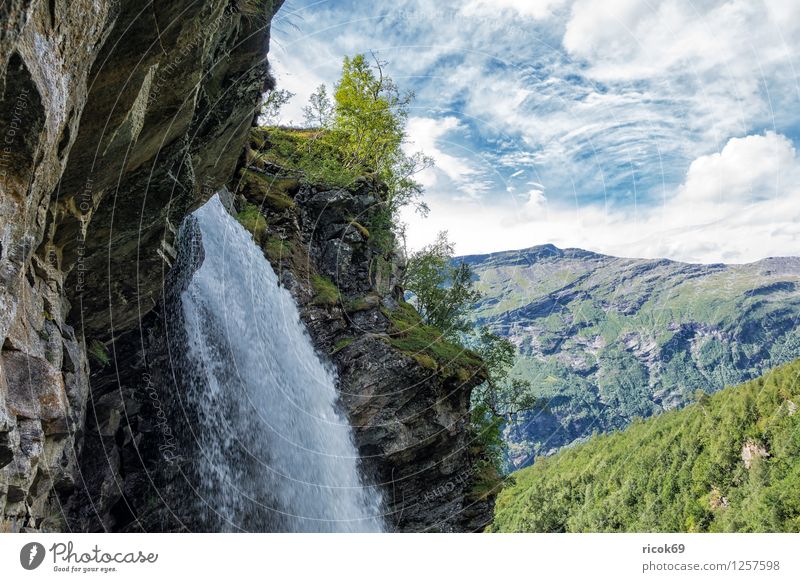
[[728, 462]]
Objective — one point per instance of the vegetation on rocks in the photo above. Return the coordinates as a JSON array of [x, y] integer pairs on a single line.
[[251, 219], [356, 132], [728, 462], [325, 291], [412, 335]]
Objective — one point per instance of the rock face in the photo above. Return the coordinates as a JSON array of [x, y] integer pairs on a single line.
[[411, 420], [115, 119], [604, 340]]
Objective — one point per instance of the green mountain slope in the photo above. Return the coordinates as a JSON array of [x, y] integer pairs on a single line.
[[729, 462], [604, 340]]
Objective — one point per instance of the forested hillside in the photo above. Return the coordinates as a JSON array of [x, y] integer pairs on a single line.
[[603, 339], [728, 462]]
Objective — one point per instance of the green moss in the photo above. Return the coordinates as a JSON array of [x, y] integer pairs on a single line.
[[252, 220], [268, 191], [360, 228], [342, 344], [425, 361], [362, 303], [325, 291], [411, 335], [97, 351], [277, 249], [305, 152]]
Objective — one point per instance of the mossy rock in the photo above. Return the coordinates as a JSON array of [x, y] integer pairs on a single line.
[[253, 221], [426, 361], [363, 230], [363, 303], [342, 344], [99, 353], [268, 191], [325, 291], [277, 249], [412, 336]]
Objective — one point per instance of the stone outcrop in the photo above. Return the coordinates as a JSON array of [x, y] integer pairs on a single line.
[[116, 117], [410, 413]]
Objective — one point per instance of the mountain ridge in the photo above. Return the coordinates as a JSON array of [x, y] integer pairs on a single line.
[[605, 339], [549, 249]]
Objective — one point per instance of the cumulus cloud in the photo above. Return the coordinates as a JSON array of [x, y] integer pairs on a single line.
[[737, 205]]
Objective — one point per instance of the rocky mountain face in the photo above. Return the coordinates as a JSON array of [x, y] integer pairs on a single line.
[[410, 413], [117, 119], [604, 340]]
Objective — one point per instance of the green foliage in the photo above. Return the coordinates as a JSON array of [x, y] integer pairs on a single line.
[[680, 471], [445, 296], [97, 350], [410, 334], [277, 249], [319, 111], [325, 291], [358, 133], [253, 221], [443, 291], [504, 395], [487, 443], [266, 190], [272, 105]]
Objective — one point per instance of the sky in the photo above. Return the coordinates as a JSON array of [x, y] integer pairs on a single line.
[[635, 128]]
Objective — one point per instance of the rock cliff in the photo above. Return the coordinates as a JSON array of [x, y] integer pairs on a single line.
[[117, 119]]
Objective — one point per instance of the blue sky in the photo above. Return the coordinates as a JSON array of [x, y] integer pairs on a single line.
[[631, 127]]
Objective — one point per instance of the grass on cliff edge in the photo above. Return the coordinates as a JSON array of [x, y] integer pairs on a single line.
[[300, 151], [428, 346], [681, 471]]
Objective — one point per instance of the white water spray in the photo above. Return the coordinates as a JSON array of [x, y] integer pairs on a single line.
[[275, 453]]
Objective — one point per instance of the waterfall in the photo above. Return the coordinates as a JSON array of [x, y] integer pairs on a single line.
[[274, 452]]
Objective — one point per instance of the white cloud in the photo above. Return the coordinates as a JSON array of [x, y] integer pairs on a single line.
[[536, 9], [738, 205], [425, 134], [749, 169]]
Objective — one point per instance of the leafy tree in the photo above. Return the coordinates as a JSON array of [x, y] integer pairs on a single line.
[[319, 111], [502, 395], [365, 129], [443, 292], [272, 105]]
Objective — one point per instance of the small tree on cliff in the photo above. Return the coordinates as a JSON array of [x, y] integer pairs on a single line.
[[444, 294], [364, 127]]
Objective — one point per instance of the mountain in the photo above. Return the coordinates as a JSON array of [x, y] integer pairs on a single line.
[[729, 462], [604, 340]]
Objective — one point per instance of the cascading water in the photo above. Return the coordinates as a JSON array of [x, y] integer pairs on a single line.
[[274, 453]]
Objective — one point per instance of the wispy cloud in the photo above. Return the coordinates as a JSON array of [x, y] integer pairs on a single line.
[[620, 113]]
